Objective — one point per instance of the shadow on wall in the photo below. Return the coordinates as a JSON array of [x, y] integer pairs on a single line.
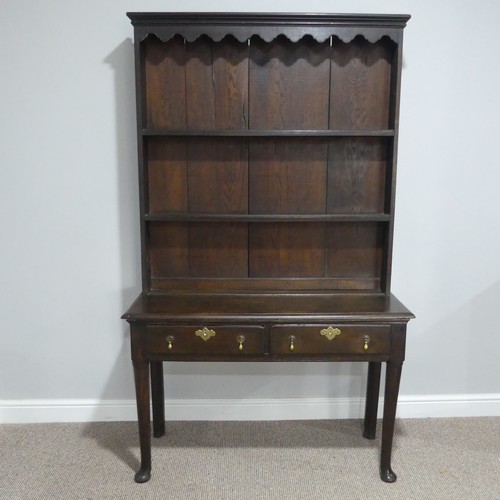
[[122, 62], [120, 382]]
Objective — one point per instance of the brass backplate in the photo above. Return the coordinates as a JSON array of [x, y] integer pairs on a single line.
[[330, 333], [205, 333]]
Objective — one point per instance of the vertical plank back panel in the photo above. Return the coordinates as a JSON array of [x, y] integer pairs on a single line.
[[167, 175], [360, 84], [278, 85], [289, 84], [289, 87], [217, 84], [355, 249], [168, 250], [165, 83], [293, 250], [218, 176], [180, 250], [357, 175], [287, 176], [219, 251]]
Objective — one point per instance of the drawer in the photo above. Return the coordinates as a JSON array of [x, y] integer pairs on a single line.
[[200, 340], [330, 339]]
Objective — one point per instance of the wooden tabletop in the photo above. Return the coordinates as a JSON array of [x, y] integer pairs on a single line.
[[265, 307]]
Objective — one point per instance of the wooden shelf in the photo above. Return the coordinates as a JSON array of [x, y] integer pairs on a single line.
[[165, 217], [152, 132]]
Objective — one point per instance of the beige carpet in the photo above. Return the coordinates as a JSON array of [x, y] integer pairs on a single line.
[[434, 459]]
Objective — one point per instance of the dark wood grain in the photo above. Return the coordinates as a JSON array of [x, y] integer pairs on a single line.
[[286, 250], [168, 249], [392, 380], [195, 250], [141, 376], [372, 395], [167, 175], [355, 249], [260, 285], [157, 398], [288, 217], [360, 84], [357, 175], [393, 377], [320, 27], [218, 176], [217, 84], [289, 84], [270, 307], [287, 176], [165, 85], [220, 251], [161, 132]]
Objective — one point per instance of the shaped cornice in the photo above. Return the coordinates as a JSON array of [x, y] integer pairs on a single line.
[[268, 26]]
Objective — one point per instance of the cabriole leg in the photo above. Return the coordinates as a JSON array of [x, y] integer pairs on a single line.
[[141, 374], [393, 377]]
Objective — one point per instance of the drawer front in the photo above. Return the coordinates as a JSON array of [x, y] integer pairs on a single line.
[[330, 339], [200, 340]]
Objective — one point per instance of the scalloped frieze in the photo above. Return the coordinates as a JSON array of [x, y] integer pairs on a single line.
[[371, 37], [268, 34]]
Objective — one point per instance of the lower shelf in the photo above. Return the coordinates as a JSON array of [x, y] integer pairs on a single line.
[[343, 251]]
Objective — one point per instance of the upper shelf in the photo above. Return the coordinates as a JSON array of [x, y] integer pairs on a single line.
[[268, 26], [269, 133], [338, 217]]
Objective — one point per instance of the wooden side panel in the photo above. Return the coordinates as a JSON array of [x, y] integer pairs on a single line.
[[165, 83], [355, 249], [360, 84], [289, 84], [287, 176], [218, 176], [286, 250], [167, 175], [357, 175], [217, 84]]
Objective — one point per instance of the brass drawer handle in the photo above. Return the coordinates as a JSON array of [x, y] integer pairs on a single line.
[[330, 333], [366, 341], [240, 339], [292, 342], [170, 341], [205, 333]]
